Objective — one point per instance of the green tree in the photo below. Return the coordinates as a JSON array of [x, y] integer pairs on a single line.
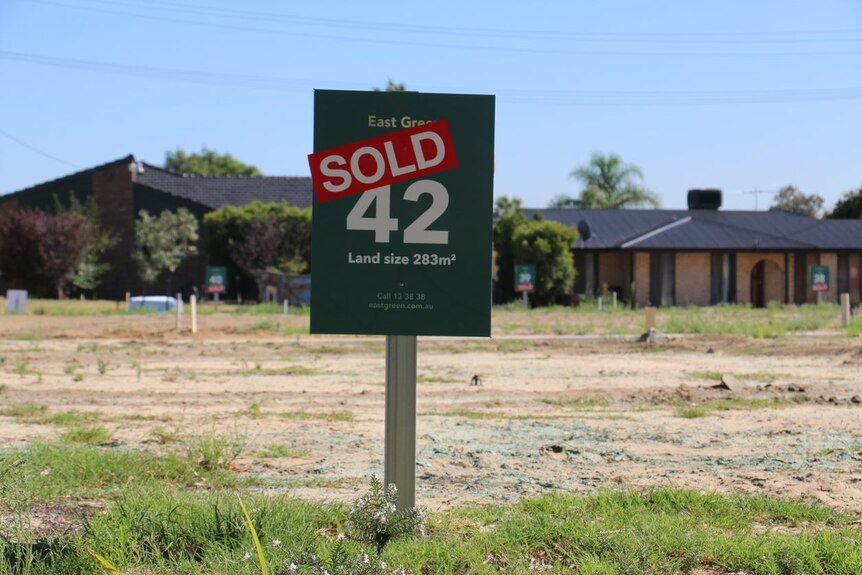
[[547, 245], [849, 207], [508, 215], [208, 163], [790, 199], [257, 236], [41, 251], [608, 183], [88, 275], [162, 243], [392, 87]]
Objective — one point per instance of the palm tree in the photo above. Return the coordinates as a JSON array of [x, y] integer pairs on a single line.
[[609, 183]]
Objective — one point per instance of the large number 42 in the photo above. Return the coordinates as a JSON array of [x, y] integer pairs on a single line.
[[382, 225]]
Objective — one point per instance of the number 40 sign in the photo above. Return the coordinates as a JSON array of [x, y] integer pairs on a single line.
[[401, 224]]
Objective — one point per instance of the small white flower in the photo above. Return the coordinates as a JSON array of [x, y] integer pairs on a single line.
[[382, 565], [365, 558], [276, 542], [247, 556], [292, 567]]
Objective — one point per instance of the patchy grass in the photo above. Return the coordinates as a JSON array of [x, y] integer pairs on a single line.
[[215, 451], [691, 412], [475, 414], [576, 403], [74, 418], [86, 434], [435, 379], [317, 416], [658, 531], [22, 366], [771, 322], [751, 403], [276, 450], [283, 327], [48, 470], [165, 436], [291, 370], [739, 403], [24, 411], [74, 308]]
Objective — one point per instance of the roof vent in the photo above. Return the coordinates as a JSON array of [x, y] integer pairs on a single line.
[[704, 199]]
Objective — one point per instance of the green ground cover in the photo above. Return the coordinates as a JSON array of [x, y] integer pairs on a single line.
[[171, 514], [771, 322]]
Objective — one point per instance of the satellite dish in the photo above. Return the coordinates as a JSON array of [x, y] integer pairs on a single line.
[[585, 230]]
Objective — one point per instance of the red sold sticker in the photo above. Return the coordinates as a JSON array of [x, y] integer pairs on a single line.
[[382, 161]]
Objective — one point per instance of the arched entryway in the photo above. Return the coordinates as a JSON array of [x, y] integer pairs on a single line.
[[767, 283]]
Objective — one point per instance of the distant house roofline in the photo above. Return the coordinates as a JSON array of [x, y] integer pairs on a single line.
[[708, 230]]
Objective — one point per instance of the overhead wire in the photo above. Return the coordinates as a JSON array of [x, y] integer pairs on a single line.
[[33, 148], [515, 96], [376, 39], [778, 36]]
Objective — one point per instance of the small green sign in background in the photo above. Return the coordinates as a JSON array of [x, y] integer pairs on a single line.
[[525, 278], [216, 279], [381, 263], [819, 278]]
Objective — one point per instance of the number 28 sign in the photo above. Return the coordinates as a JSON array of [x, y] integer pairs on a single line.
[[401, 224]]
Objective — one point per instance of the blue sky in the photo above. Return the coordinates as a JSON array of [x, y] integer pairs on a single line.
[[739, 95]]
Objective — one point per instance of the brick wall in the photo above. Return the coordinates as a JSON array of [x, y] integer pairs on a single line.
[[614, 270], [692, 281], [831, 261], [642, 279], [112, 191], [773, 276], [791, 284]]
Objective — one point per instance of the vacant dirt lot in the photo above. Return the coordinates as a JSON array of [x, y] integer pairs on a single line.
[[552, 413]]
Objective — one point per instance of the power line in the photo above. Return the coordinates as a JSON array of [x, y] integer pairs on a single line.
[[38, 151], [549, 97], [376, 39], [787, 36]]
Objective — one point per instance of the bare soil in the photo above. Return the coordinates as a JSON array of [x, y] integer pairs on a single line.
[[551, 413]]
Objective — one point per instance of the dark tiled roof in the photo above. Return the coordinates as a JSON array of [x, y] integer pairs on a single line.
[[217, 191], [125, 160], [709, 230]]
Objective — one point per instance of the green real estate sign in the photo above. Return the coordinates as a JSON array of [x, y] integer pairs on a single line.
[[401, 229], [525, 278], [216, 279], [819, 278]]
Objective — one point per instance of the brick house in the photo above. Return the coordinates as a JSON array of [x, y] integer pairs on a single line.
[[124, 187], [709, 256]]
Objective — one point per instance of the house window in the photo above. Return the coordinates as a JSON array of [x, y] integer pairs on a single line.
[[722, 278], [662, 275]]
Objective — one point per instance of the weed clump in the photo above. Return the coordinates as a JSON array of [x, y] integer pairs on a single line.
[[374, 520]]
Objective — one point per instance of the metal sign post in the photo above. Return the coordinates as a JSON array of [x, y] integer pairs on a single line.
[[399, 452]]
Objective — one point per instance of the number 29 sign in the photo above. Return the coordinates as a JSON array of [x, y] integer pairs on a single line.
[[401, 222]]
